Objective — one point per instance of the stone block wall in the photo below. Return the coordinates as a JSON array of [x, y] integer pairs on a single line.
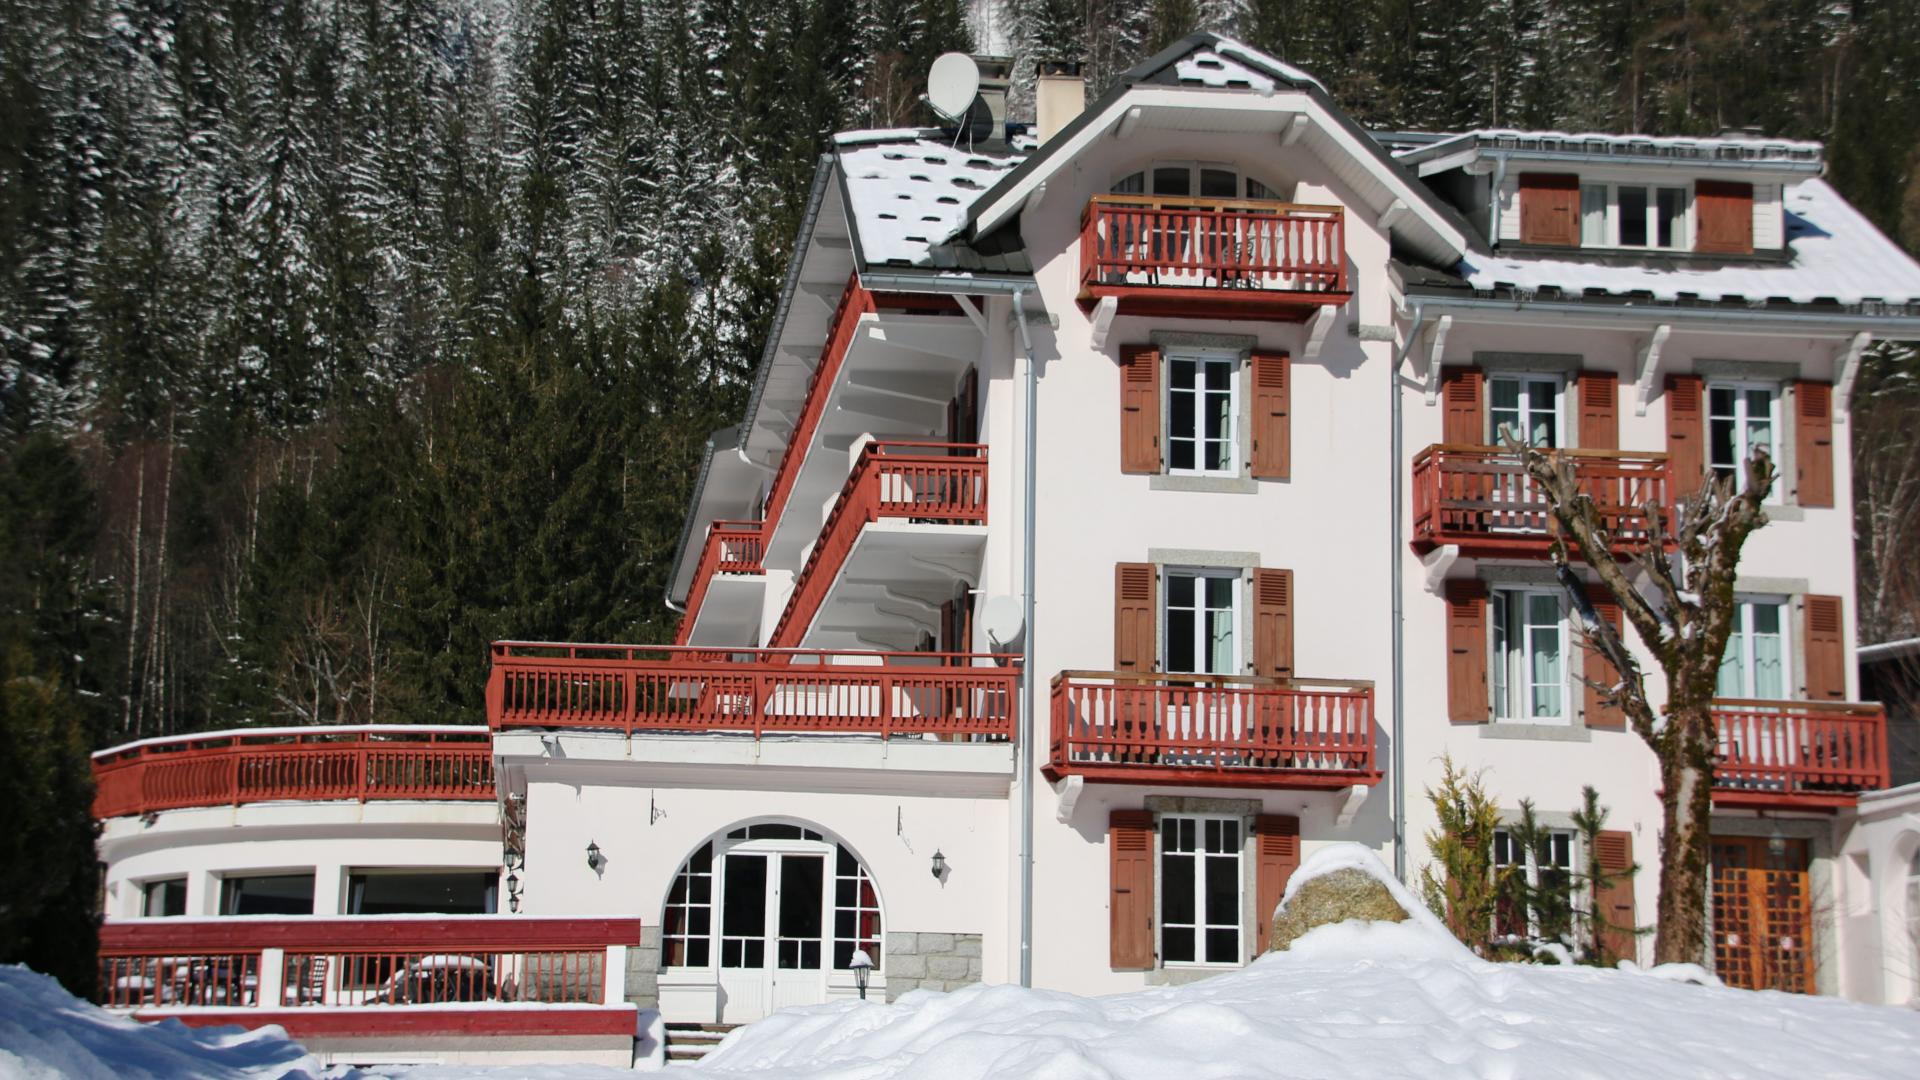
[[643, 969], [931, 962]]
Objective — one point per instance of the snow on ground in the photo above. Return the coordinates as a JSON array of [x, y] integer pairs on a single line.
[[47, 1033], [1354, 1000]]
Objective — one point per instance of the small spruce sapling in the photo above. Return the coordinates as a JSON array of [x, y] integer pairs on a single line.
[[1603, 943], [1459, 884]]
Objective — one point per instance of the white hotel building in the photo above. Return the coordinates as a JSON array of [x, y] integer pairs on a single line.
[[1214, 376]]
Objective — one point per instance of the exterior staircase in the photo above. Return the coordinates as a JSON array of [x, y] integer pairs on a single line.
[[688, 1043]]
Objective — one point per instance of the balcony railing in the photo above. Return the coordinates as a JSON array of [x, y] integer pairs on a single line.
[[1798, 753], [939, 483], [732, 547], [855, 301], [634, 689], [1481, 497], [295, 970], [234, 767], [1212, 730], [1244, 253]]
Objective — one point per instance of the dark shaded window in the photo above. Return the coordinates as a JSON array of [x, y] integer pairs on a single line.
[[464, 892], [267, 894], [164, 898]]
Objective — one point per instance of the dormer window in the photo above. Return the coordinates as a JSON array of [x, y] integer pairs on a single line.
[[1567, 210], [1633, 216], [1207, 180]]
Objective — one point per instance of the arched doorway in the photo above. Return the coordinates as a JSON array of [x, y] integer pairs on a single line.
[[772, 910]]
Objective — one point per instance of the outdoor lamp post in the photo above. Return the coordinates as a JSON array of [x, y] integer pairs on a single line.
[[862, 970]]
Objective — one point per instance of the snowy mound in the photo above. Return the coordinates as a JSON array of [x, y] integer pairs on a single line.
[[48, 1033], [1353, 999]]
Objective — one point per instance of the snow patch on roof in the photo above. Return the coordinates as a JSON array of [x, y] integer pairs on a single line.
[[1838, 256], [1745, 148], [1243, 51], [909, 193]]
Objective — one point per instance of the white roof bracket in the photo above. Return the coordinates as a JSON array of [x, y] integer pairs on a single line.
[[1846, 365], [1068, 789], [1317, 332], [1350, 807], [1437, 562], [1294, 128], [1649, 366], [1436, 348], [1395, 210], [1103, 314], [1128, 121], [972, 310], [827, 294]]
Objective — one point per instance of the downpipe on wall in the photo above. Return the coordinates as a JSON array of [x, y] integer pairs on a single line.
[[1026, 645], [1395, 574]]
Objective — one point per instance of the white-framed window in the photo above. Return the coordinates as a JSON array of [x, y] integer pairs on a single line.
[[1203, 412], [687, 928], [1630, 215], [1200, 621], [1546, 869], [1524, 407], [856, 911], [1200, 890], [1756, 663], [1741, 417], [1529, 669], [1201, 179], [164, 897]]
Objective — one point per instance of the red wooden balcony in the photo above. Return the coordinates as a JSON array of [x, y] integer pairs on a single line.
[[1798, 754], [1212, 258], [1212, 730], [633, 689], [456, 975], [234, 767], [732, 547], [1481, 498], [926, 482], [855, 301]]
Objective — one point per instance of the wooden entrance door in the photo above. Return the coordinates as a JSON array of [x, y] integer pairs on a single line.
[[1762, 915]]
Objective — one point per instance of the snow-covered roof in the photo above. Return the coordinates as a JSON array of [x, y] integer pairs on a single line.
[[1235, 66], [1686, 148], [1838, 257], [908, 192]]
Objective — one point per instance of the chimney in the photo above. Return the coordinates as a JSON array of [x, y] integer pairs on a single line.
[[1059, 94], [987, 120]]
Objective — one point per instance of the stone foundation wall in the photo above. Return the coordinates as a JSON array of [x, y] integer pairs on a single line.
[[643, 969], [931, 962]]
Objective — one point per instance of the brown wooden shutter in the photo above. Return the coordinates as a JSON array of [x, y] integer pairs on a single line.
[[1598, 669], [1723, 216], [1550, 209], [1130, 907], [1276, 856], [1826, 649], [1272, 426], [1813, 442], [1273, 623], [1461, 395], [1134, 617], [1467, 652], [1599, 394], [1686, 432], [1139, 409], [1613, 905]]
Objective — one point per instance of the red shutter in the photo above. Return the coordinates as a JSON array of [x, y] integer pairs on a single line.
[[1826, 649], [1273, 623], [1130, 907], [1813, 442], [1139, 409], [1134, 617], [1686, 432], [1599, 394], [1460, 396], [1599, 670], [1723, 213], [1613, 905], [1467, 652], [1276, 856], [1550, 209], [1272, 428]]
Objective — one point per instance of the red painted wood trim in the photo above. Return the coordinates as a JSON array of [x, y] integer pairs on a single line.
[[353, 934], [413, 1020], [1479, 498]]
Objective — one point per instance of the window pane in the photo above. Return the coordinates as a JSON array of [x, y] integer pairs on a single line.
[[1759, 422], [1183, 374], [1769, 653], [1219, 184], [1731, 680], [1223, 946], [1543, 420], [1181, 424], [1223, 891], [1176, 945], [1180, 590], [1173, 181], [1503, 639], [1180, 643], [424, 893], [1219, 375], [1672, 210], [165, 898], [1176, 880], [1593, 214], [1633, 217], [1258, 190], [1131, 185], [277, 894]]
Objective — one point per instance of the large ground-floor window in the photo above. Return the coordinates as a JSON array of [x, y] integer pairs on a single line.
[[1200, 890]]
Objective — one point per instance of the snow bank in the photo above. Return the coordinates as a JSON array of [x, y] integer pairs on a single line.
[[48, 1033]]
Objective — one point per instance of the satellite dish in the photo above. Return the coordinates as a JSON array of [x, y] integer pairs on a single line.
[[952, 84], [1003, 620]]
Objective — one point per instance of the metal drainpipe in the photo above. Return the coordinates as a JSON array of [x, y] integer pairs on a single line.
[[1493, 204], [1394, 554], [1026, 649]]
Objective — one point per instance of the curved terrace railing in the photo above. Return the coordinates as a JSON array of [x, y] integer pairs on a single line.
[[732, 547], [228, 768], [1481, 496], [933, 482], [632, 689], [1212, 729], [1252, 244], [1786, 753]]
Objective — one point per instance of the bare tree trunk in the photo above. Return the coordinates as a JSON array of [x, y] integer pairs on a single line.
[[128, 721], [1686, 774]]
